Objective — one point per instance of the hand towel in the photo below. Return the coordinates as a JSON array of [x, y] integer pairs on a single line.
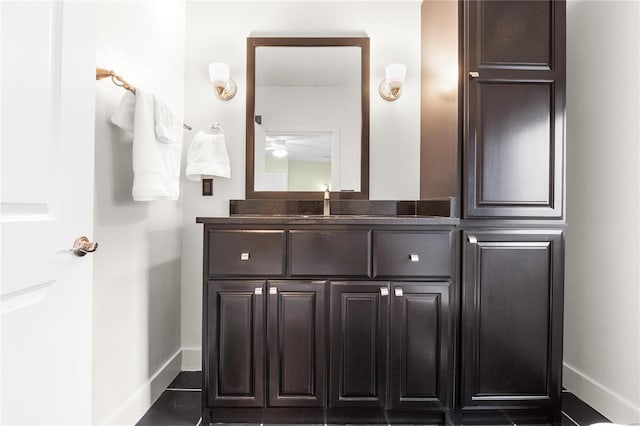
[[156, 164], [123, 117], [208, 156]]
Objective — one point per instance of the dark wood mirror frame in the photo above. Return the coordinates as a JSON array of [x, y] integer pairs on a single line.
[[252, 44]]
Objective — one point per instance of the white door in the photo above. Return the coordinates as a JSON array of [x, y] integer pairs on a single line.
[[47, 135]]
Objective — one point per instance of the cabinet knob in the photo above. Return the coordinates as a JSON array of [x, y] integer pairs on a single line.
[[244, 256], [414, 257], [474, 74], [273, 290], [384, 291], [258, 291], [398, 292]]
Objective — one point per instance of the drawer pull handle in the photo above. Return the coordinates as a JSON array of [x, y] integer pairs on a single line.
[[244, 256], [384, 291], [258, 291], [414, 257], [473, 240], [273, 290], [474, 74], [398, 292]]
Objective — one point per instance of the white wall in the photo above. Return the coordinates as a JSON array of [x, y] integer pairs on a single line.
[[602, 296], [137, 267], [217, 32]]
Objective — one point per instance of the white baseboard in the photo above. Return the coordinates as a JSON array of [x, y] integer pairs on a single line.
[[191, 359], [613, 406], [142, 398]]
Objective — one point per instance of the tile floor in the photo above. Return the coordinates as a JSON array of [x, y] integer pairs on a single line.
[[179, 405]]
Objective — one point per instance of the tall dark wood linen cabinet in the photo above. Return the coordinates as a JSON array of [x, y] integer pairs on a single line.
[[513, 210]]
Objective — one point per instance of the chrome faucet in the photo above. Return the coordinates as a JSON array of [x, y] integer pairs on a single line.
[[326, 211]]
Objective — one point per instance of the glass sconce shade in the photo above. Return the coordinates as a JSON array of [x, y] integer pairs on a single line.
[[391, 87], [220, 75], [395, 73]]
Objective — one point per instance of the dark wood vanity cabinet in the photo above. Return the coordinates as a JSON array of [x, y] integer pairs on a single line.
[[367, 327], [341, 316]]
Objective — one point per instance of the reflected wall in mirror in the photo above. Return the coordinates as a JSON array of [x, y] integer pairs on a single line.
[[307, 117]]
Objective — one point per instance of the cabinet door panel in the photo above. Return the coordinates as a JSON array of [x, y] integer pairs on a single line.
[[235, 334], [420, 368], [296, 344], [510, 39], [512, 325], [514, 145], [358, 343]]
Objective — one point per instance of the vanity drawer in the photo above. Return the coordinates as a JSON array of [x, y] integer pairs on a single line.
[[329, 253], [246, 252], [412, 254]]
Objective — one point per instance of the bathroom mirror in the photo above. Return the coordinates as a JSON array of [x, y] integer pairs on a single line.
[[307, 117]]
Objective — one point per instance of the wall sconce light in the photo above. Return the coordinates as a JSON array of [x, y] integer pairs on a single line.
[[221, 78], [391, 86]]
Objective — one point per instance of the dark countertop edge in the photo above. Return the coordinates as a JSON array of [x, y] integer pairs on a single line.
[[330, 220]]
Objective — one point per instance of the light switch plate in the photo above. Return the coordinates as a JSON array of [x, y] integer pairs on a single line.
[[207, 187]]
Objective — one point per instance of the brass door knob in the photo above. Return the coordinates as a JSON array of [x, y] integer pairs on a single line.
[[82, 246]]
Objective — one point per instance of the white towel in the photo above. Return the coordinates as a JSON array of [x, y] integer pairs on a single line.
[[208, 156], [168, 126], [123, 117], [156, 165]]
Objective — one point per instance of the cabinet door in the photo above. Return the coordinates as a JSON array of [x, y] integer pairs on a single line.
[[358, 343], [296, 343], [420, 372], [234, 369], [512, 318], [514, 108]]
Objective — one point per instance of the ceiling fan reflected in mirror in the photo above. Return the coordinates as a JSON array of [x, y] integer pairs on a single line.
[[302, 146], [277, 147]]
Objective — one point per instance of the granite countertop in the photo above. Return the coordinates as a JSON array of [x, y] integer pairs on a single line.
[[329, 220]]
